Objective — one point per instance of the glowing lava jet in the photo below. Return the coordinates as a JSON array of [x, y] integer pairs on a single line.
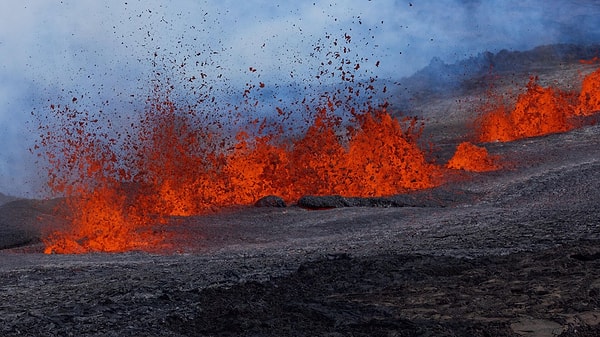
[[540, 111], [470, 157], [175, 166], [589, 97]]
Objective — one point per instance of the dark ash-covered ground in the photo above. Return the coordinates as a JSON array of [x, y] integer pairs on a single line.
[[508, 253]]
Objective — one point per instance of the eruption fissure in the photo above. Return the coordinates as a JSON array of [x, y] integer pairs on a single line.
[[175, 166], [470, 157], [181, 161], [540, 111]]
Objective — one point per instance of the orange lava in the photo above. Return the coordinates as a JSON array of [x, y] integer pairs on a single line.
[[593, 60], [383, 158], [177, 166], [122, 181], [589, 97], [538, 111], [84, 168], [99, 221], [469, 157], [120, 188]]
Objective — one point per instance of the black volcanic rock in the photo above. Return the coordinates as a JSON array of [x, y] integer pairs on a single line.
[[427, 198], [509, 253], [270, 201], [323, 202]]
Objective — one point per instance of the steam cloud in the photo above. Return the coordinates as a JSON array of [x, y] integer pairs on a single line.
[[54, 50]]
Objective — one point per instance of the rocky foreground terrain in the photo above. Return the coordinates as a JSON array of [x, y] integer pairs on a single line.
[[515, 252]]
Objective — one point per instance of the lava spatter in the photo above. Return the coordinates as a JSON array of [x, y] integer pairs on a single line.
[[470, 157], [173, 164], [538, 111], [589, 97]]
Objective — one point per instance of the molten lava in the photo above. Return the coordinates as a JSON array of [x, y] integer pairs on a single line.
[[175, 165], [593, 60], [100, 221], [83, 166], [383, 158], [538, 111], [473, 158], [120, 188], [589, 97]]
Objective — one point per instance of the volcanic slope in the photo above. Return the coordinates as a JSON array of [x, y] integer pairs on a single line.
[[514, 252]]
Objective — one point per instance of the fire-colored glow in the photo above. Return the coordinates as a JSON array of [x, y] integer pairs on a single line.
[[181, 159], [473, 158], [377, 157], [120, 189], [99, 222], [593, 60], [383, 158], [174, 165], [495, 125], [589, 98], [538, 111]]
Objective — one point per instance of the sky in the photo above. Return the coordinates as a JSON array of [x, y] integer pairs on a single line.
[[107, 52]]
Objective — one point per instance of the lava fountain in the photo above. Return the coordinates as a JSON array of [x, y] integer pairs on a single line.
[[470, 157], [119, 191], [538, 111], [589, 97]]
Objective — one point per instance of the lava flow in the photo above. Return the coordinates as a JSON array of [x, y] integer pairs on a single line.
[[589, 97], [119, 189], [176, 166], [540, 111], [177, 159], [473, 158]]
